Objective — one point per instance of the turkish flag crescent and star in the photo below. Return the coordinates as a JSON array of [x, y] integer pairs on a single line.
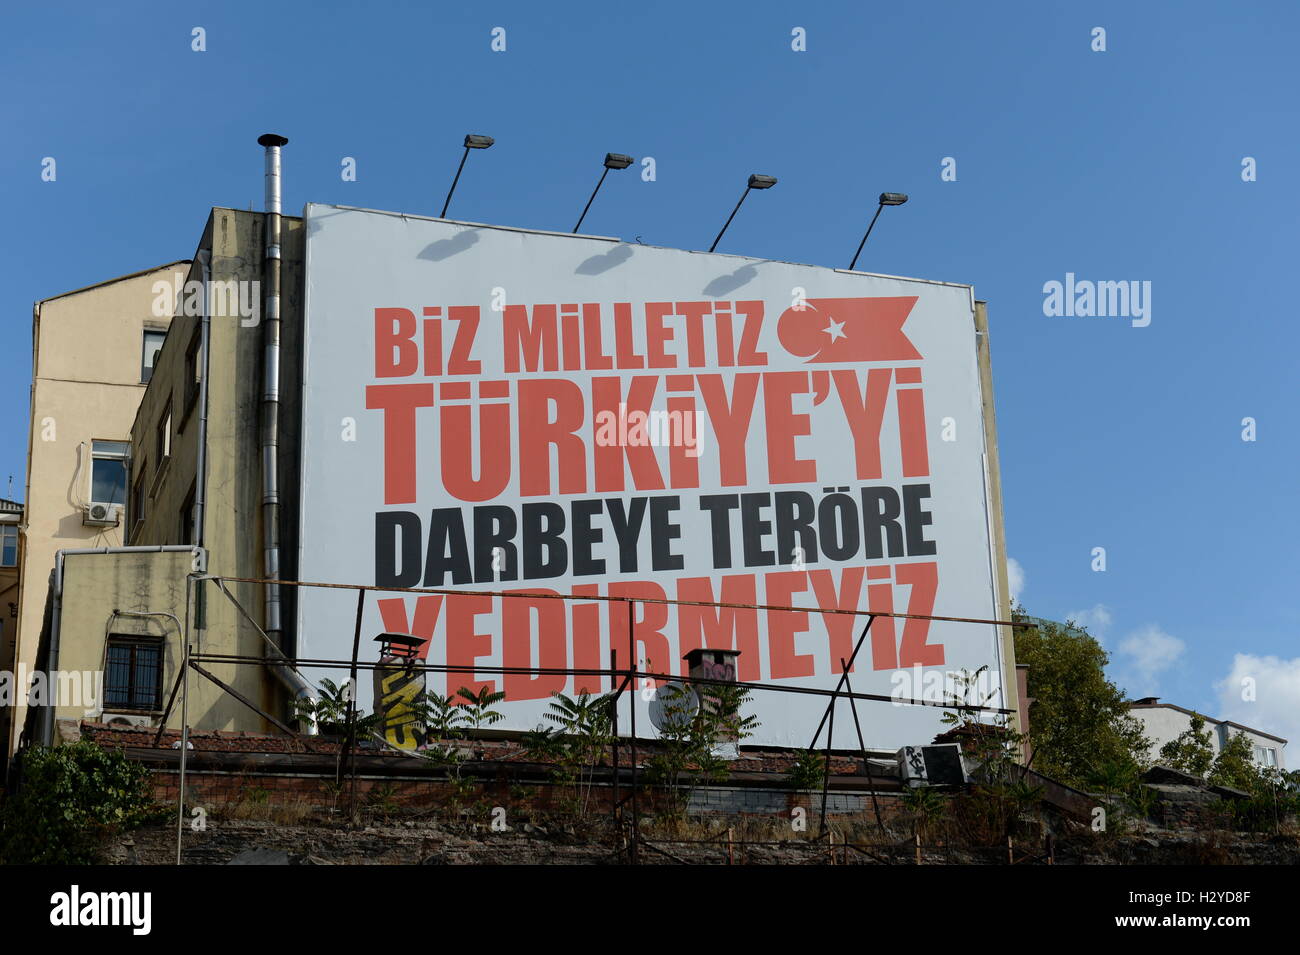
[[848, 329]]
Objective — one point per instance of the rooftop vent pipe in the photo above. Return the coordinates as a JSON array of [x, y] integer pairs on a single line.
[[270, 425]]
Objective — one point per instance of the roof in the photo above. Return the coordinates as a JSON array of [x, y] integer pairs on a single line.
[[1209, 719], [10, 507], [120, 278], [760, 759]]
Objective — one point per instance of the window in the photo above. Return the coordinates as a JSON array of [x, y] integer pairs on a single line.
[[163, 437], [153, 343], [193, 371], [188, 531], [133, 680], [108, 472], [8, 545], [137, 499], [1265, 756]]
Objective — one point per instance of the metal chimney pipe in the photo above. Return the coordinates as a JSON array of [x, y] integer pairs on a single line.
[[270, 422]]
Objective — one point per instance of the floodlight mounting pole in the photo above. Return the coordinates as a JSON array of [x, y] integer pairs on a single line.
[[600, 182], [730, 217], [865, 237], [464, 156]]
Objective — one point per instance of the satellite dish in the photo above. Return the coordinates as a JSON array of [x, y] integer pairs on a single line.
[[673, 707]]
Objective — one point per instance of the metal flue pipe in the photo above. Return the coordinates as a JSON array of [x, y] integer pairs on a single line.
[[270, 420]]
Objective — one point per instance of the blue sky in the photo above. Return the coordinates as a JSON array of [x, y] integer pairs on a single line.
[[1116, 165]]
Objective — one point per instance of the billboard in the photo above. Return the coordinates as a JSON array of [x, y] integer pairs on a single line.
[[494, 409]]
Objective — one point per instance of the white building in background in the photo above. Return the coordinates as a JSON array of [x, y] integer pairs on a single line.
[[1165, 722]]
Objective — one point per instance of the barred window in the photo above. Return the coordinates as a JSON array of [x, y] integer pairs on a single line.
[[134, 677]]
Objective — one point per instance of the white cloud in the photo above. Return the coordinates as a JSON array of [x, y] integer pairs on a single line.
[[1146, 653], [1275, 685], [1015, 579], [1097, 620]]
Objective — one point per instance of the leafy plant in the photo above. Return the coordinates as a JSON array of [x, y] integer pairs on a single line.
[[1191, 752], [808, 770], [1141, 800], [383, 798], [448, 720], [444, 721], [1113, 777], [69, 800], [1235, 766], [1079, 719], [927, 808], [583, 729], [1274, 803], [1002, 795], [1120, 777], [330, 711], [990, 743], [687, 755], [478, 706]]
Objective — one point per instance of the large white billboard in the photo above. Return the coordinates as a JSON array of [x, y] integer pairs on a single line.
[[493, 409]]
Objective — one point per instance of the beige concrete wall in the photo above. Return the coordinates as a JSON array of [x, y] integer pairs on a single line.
[[1009, 677], [94, 585], [232, 531], [85, 386]]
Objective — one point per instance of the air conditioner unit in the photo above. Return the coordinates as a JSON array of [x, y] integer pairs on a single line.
[[102, 515], [127, 719], [939, 765]]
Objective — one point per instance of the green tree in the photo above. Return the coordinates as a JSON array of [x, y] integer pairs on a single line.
[[1191, 752], [687, 754], [1235, 766], [1079, 720]]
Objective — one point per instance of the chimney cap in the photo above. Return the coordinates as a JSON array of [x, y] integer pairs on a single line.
[[399, 639], [271, 139], [694, 656]]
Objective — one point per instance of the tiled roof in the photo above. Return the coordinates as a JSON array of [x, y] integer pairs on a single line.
[[751, 760]]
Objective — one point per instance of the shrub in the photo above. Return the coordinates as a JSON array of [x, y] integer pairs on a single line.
[[70, 800], [808, 770]]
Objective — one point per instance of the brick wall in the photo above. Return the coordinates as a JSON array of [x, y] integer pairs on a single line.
[[217, 790]]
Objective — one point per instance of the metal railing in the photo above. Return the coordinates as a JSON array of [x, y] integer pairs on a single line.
[[621, 679]]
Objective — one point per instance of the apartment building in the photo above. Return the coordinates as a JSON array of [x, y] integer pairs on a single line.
[[1165, 722], [93, 354]]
